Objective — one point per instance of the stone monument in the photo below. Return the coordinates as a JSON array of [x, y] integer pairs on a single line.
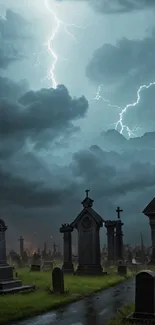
[[7, 283], [88, 224], [66, 229], [149, 211]]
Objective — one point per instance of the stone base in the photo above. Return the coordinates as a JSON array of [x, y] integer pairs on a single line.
[[6, 272], [140, 318], [8, 284], [90, 269], [68, 268], [13, 287]]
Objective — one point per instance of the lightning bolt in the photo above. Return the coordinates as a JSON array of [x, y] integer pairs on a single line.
[[58, 23], [119, 124]]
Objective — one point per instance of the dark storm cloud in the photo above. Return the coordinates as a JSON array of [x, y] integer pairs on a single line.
[[39, 116], [13, 29], [128, 59], [18, 191], [52, 109], [111, 180], [118, 6], [11, 89]]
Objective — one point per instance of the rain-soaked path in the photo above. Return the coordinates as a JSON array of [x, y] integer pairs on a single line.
[[94, 310]]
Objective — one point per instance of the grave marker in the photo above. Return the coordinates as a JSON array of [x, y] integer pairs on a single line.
[[58, 280], [144, 297]]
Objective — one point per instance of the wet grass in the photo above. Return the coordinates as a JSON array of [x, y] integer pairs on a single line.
[[20, 306], [118, 319]]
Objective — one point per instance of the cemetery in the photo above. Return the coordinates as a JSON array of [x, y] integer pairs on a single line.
[[43, 286], [29, 290]]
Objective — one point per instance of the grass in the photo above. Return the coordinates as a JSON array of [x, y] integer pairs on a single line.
[[20, 306], [118, 319]]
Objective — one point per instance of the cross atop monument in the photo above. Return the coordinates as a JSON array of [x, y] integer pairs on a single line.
[[118, 210], [87, 191]]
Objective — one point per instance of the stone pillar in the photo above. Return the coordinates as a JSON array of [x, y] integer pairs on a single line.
[[3, 228], [67, 248], [119, 241], [110, 225], [21, 243], [152, 225], [6, 271]]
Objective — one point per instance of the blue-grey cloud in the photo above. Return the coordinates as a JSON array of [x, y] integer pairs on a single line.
[[118, 6], [13, 30], [39, 116]]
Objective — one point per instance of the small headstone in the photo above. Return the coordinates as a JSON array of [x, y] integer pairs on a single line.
[[121, 268], [144, 297], [47, 265], [58, 280], [35, 267]]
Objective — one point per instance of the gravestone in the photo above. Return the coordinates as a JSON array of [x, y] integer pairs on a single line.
[[144, 297], [47, 265], [121, 268], [35, 263], [7, 283], [58, 280], [35, 267]]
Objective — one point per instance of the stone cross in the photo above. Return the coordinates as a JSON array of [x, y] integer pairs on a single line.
[[87, 191], [118, 210], [58, 280]]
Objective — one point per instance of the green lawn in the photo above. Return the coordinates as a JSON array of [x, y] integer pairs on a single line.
[[18, 306]]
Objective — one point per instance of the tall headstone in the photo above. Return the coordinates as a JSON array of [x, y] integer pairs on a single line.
[[110, 225], [7, 283], [66, 229], [21, 244], [144, 297], [149, 211], [119, 237], [88, 224], [54, 249]]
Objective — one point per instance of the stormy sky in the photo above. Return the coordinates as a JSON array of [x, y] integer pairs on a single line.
[[57, 141]]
